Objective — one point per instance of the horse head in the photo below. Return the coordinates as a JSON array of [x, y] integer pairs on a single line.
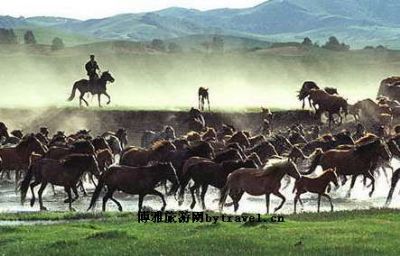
[[107, 77]]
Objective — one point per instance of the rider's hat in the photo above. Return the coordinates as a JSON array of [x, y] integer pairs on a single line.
[[91, 55]]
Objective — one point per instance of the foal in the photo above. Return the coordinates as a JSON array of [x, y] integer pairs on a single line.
[[316, 185]]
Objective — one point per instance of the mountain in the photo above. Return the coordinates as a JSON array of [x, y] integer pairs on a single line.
[[358, 22]]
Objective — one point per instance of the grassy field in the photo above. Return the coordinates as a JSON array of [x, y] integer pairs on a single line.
[[371, 232]]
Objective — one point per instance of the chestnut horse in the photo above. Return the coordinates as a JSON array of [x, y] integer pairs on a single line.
[[258, 182], [141, 157], [135, 181], [316, 185], [355, 160]]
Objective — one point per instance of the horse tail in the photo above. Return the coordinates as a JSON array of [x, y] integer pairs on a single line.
[[395, 179], [315, 162], [73, 92], [102, 181], [26, 182], [224, 194]]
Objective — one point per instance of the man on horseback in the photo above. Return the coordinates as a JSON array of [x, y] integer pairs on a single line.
[[91, 70]]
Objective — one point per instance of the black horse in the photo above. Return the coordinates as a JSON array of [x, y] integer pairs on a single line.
[[98, 87]]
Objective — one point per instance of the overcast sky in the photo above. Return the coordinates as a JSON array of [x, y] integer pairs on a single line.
[[85, 9]]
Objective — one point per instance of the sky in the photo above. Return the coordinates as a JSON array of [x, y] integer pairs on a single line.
[[86, 9]]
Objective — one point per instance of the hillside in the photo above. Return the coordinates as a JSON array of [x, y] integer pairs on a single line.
[[358, 22]]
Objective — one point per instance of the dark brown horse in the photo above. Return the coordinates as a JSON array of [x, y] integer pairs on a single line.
[[316, 185], [207, 173], [64, 173], [99, 88], [135, 181]]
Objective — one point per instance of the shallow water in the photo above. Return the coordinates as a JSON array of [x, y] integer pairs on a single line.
[[359, 199]]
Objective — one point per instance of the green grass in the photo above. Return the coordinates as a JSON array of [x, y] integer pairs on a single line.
[[371, 232]]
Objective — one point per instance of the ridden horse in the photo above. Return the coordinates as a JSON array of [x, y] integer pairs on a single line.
[[99, 88], [203, 95], [64, 173], [135, 181], [354, 160], [316, 185], [258, 182]]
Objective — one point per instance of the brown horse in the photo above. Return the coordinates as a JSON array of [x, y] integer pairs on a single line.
[[64, 173], [135, 181], [316, 185], [141, 157], [258, 182], [17, 158], [357, 160], [241, 138], [203, 96]]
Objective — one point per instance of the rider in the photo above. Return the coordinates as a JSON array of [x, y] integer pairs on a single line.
[[91, 69]]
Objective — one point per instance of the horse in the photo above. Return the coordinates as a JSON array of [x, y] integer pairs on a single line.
[[310, 85], [17, 158], [149, 137], [141, 157], [316, 185], [99, 88], [203, 95], [207, 173], [241, 138], [264, 150], [64, 173], [354, 160], [135, 181], [258, 182]]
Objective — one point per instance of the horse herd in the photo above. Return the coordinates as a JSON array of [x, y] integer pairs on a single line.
[[259, 163]]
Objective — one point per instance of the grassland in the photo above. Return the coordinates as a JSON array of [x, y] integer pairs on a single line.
[[371, 232]]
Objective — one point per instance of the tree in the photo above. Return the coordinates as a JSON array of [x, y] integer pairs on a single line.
[[307, 42], [334, 44], [57, 44], [7, 36], [29, 37], [158, 44], [174, 48]]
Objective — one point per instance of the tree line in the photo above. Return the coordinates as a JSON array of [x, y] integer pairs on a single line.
[[8, 36]]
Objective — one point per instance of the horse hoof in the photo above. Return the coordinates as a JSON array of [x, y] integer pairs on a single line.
[[72, 209], [192, 206], [32, 202], [66, 201], [43, 208], [120, 209]]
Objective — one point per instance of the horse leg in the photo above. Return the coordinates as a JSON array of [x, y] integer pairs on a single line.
[[296, 198], [278, 194], [208, 101], [371, 177], [236, 196], [33, 185], [267, 196], [75, 190], [68, 190], [82, 99], [353, 181], [141, 196], [116, 202], [395, 179], [108, 195], [155, 192], [192, 191], [330, 200], [99, 100], [40, 192], [203, 195], [108, 96]]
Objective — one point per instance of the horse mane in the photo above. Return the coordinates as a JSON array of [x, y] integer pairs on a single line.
[[275, 165], [369, 137], [160, 144]]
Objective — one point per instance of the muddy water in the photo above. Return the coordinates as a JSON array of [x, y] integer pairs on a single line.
[[359, 199]]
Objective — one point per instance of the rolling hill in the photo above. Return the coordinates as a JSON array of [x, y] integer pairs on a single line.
[[358, 22]]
